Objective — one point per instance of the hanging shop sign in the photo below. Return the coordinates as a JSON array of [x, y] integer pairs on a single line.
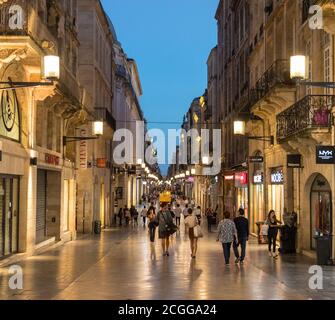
[[294, 161], [241, 179], [258, 178], [256, 159], [9, 115], [277, 176], [83, 152], [325, 154]]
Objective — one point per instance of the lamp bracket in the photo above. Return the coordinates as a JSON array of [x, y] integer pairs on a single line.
[[76, 139]]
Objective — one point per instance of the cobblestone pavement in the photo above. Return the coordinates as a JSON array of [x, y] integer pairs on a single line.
[[122, 264]]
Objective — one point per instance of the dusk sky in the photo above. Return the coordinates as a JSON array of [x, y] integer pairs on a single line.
[[170, 41]]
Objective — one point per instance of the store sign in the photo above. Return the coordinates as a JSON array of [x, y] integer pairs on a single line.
[[258, 178], [229, 178], [9, 115], [241, 179], [325, 154], [83, 152], [101, 163], [294, 161], [256, 159], [51, 159], [277, 177]]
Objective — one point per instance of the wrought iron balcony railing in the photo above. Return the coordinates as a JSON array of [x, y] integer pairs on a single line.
[[312, 112], [277, 74]]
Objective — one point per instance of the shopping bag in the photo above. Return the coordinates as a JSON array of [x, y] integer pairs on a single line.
[[264, 230], [198, 232]]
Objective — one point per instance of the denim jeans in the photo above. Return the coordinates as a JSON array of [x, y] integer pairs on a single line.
[[226, 251], [243, 244], [152, 229]]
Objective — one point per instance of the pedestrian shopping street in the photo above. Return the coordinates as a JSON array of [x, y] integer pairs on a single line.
[[122, 264]]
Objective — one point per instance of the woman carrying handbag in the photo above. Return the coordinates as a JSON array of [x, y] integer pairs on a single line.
[[194, 231]]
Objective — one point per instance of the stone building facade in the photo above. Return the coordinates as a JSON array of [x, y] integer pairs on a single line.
[[37, 182]]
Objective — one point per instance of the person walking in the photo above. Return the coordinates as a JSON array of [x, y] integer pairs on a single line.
[[185, 211], [274, 225], [165, 222], [127, 215], [242, 227], [152, 225], [144, 214], [197, 213], [191, 221], [227, 235], [209, 215], [120, 215], [177, 213]]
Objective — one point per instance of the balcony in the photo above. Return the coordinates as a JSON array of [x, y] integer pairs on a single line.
[[313, 113], [277, 75]]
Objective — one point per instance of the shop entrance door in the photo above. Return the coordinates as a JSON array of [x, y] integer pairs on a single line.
[[9, 215], [41, 206], [321, 209]]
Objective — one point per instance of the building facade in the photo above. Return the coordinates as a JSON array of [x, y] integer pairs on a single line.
[[96, 73], [37, 182], [233, 93], [298, 117]]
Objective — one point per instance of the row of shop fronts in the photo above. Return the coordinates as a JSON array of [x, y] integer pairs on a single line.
[[285, 188]]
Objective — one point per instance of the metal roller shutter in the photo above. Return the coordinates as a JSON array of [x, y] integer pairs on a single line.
[[41, 206]]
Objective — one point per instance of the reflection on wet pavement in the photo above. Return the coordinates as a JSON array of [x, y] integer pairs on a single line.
[[123, 264]]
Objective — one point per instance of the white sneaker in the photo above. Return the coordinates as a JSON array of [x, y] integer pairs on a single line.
[[270, 254]]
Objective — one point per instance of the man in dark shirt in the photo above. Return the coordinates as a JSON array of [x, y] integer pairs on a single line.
[[242, 226]]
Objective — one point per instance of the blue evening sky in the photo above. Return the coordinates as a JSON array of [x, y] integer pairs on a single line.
[[170, 41]]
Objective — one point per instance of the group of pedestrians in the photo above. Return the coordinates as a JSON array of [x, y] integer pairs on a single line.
[[129, 216], [232, 233]]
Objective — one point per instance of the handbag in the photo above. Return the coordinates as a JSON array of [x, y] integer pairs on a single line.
[[198, 232]]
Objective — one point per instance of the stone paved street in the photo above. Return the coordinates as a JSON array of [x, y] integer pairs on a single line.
[[122, 264]]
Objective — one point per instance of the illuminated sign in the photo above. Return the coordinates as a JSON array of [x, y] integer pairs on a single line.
[[229, 178], [325, 155], [241, 179], [277, 176], [258, 178]]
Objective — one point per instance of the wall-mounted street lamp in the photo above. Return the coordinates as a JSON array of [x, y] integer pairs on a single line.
[[193, 172], [239, 130], [188, 173], [98, 130], [299, 73], [51, 73]]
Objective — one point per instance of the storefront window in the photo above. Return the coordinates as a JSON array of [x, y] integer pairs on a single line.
[[321, 209], [276, 192]]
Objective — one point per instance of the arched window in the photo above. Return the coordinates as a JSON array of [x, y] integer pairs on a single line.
[[321, 208]]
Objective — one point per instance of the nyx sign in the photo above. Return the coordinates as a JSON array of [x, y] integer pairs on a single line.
[[325, 154]]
